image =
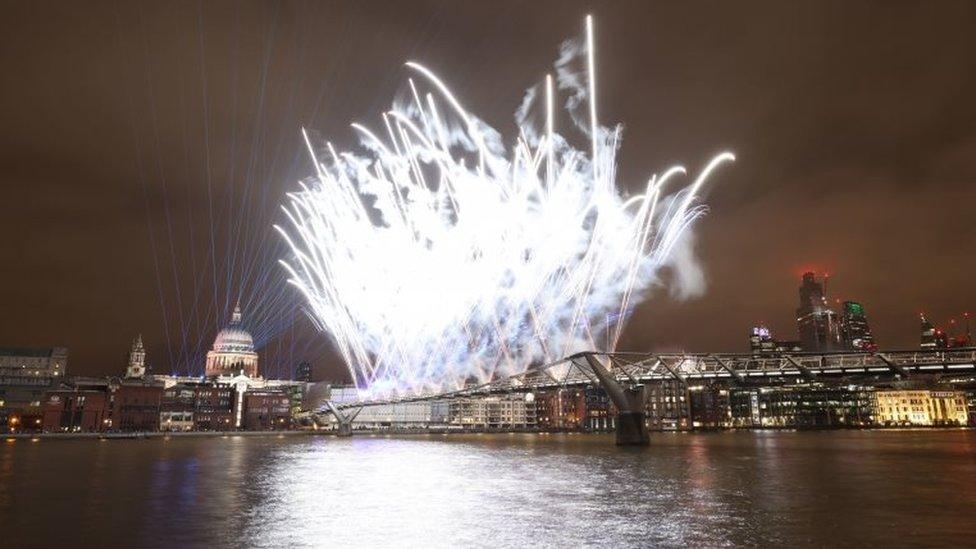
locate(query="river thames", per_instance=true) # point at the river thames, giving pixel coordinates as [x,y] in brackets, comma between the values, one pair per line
[711,489]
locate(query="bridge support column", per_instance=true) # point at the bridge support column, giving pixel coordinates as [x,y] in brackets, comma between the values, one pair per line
[344,420]
[631,429]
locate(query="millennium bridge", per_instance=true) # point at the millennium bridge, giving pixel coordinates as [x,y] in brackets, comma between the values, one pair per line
[623,376]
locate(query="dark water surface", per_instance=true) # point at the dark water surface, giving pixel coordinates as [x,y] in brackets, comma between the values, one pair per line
[868,488]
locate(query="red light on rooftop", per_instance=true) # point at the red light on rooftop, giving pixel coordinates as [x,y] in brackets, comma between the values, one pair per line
[802,270]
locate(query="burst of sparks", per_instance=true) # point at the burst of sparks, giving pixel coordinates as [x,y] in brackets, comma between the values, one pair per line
[440,257]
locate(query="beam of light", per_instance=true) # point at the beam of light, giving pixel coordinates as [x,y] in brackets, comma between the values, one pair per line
[439,257]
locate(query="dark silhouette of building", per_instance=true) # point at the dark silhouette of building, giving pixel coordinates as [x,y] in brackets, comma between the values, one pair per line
[817,324]
[927,334]
[303,372]
[134,407]
[854,329]
[932,337]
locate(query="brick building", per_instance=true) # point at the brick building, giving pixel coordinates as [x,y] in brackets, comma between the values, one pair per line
[72,411]
[135,407]
[266,411]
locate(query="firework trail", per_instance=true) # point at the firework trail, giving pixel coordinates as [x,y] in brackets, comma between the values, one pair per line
[440,257]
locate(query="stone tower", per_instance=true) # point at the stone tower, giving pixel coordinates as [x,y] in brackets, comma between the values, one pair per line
[137,360]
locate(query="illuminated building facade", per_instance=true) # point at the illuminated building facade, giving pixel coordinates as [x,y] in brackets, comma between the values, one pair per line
[197,407]
[921,407]
[600,411]
[717,405]
[761,342]
[855,333]
[811,406]
[560,408]
[666,405]
[511,411]
[709,406]
[233,350]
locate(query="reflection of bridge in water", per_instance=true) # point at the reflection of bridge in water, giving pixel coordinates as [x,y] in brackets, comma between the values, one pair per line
[623,375]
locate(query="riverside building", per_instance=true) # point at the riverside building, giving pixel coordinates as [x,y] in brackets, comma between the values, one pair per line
[921,408]
[26,374]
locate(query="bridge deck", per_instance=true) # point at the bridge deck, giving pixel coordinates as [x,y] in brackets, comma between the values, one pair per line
[743,369]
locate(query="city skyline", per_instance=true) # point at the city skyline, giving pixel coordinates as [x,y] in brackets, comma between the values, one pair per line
[888,217]
[424,273]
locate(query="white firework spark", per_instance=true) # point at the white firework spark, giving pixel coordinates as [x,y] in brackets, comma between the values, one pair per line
[439,257]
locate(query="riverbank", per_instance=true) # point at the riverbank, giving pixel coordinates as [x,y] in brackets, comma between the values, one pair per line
[158,434]
[408,432]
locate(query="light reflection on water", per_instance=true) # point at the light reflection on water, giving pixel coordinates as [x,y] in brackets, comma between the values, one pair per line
[507,490]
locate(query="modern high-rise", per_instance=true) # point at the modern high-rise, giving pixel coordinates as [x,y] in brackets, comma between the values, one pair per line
[817,324]
[855,333]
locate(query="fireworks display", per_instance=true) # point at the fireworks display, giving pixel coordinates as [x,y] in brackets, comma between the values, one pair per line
[438,256]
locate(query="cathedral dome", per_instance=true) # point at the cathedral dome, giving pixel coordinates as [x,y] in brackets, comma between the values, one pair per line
[234,339]
[233,350]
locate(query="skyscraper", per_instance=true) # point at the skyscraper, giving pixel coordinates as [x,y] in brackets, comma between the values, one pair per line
[816,323]
[854,329]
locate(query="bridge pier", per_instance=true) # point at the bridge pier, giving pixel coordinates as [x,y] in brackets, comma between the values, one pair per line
[344,420]
[631,429]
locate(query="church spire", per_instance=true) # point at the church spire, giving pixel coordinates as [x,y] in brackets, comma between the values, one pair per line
[137,359]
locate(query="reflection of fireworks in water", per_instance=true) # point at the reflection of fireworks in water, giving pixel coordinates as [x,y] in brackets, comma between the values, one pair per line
[440,257]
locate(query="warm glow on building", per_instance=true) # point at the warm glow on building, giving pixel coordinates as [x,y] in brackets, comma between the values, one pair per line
[921,407]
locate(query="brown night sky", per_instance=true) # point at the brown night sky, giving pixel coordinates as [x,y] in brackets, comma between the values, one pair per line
[854,124]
